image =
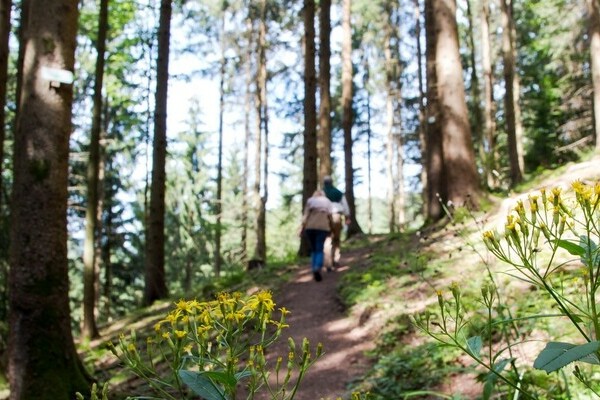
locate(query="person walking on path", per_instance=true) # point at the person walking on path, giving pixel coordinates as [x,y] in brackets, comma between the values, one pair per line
[340,208]
[316,225]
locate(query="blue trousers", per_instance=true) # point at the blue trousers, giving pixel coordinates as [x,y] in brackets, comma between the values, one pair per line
[316,238]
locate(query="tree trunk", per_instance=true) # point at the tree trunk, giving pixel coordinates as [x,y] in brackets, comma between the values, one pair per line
[366,81]
[309,170]
[462,181]
[594,33]
[517,96]
[156,286]
[100,232]
[324,140]
[262,126]
[434,160]
[516,174]
[347,75]
[489,159]
[5,9]
[43,361]
[219,204]
[422,110]
[89,329]
[477,120]
[391,65]
[247,135]
[400,193]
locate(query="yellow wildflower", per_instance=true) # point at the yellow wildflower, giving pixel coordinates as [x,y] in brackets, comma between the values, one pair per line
[173,316]
[533,203]
[284,311]
[180,334]
[184,306]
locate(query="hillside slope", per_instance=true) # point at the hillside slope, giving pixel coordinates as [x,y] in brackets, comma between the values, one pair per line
[366,306]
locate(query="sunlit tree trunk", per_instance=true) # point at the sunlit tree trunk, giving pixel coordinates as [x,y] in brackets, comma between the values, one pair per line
[594,33]
[347,117]
[324,140]
[489,160]
[462,181]
[89,329]
[309,176]
[516,172]
[517,95]
[43,361]
[262,131]
[156,286]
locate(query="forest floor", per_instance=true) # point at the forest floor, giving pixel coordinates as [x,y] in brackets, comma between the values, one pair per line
[318,314]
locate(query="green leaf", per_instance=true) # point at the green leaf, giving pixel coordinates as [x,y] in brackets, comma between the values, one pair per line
[474,344]
[492,378]
[558,354]
[571,247]
[241,375]
[221,377]
[202,385]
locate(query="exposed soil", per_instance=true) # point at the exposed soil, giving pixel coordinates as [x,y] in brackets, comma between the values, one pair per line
[317,314]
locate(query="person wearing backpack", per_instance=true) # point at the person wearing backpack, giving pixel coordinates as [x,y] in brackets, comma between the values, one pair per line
[316,225]
[340,211]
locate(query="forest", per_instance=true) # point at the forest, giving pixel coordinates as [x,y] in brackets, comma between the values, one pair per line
[160,153]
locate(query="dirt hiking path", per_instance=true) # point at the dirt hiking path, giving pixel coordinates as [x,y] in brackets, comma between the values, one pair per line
[317,314]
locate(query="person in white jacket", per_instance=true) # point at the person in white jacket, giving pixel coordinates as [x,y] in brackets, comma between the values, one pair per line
[316,225]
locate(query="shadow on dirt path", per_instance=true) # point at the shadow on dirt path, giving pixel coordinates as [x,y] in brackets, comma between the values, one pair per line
[317,314]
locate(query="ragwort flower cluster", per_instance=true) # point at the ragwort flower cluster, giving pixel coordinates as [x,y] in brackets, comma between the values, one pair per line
[536,233]
[212,346]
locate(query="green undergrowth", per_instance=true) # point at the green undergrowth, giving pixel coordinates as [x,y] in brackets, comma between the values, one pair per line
[414,273]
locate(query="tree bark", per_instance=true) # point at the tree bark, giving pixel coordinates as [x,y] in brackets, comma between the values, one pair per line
[5,9]
[309,170]
[594,33]
[477,120]
[262,127]
[462,181]
[89,329]
[422,109]
[434,160]
[347,117]
[489,159]
[516,173]
[43,362]
[391,65]
[366,81]
[324,140]
[156,287]
[219,204]
[247,135]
